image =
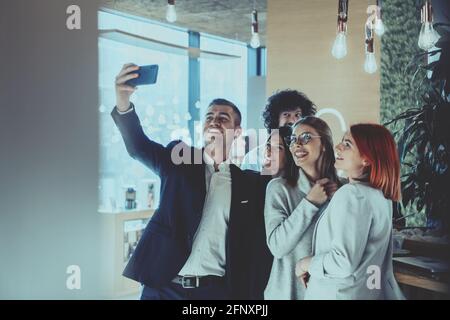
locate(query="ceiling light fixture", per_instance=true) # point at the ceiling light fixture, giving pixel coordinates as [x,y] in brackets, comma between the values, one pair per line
[255,41]
[370,63]
[339,49]
[428,36]
[171,13]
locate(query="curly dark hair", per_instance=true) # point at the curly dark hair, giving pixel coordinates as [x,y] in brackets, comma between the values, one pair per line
[286,100]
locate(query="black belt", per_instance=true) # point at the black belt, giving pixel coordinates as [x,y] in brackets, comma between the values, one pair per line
[190,282]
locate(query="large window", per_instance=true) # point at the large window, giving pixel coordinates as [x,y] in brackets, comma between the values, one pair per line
[224,77]
[163,108]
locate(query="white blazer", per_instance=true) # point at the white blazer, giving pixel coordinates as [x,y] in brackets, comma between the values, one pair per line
[352,247]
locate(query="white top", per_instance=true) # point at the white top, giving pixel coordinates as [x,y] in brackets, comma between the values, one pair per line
[353,247]
[290,220]
[208,255]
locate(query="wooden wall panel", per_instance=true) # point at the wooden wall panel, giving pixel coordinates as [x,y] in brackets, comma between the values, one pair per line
[300,35]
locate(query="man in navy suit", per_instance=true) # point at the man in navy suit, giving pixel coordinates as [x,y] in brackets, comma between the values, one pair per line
[200,242]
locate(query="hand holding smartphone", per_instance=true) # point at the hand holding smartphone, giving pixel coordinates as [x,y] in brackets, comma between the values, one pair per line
[146,75]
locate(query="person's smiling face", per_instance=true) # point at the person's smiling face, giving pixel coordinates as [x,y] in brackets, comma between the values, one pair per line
[306,146]
[275,156]
[288,118]
[348,157]
[220,125]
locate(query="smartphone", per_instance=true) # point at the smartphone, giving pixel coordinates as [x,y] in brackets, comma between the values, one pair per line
[147,75]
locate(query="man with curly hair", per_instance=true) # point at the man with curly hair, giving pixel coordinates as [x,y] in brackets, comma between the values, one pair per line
[283,108]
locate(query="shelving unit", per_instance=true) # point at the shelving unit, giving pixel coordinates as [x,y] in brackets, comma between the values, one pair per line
[122,231]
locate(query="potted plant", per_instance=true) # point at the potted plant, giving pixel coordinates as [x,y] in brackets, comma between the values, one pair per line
[424,138]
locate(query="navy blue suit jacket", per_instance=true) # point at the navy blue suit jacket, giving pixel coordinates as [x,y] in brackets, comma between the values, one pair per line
[167,240]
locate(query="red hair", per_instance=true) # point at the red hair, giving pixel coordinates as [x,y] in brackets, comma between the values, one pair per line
[376,144]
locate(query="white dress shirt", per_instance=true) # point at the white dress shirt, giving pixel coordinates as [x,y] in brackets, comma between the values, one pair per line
[208,255]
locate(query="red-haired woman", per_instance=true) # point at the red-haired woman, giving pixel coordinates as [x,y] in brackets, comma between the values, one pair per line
[352,244]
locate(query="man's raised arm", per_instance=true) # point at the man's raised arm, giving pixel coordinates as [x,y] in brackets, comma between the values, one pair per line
[139,146]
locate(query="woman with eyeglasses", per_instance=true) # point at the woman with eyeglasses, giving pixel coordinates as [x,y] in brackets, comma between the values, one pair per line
[294,201]
[352,253]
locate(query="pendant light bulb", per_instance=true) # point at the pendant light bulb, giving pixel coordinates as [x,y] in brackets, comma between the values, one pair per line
[171,13]
[370,62]
[379,25]
[255,42]
[339,49]
[428,35]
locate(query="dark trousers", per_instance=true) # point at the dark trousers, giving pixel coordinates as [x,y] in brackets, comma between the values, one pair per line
[173,291]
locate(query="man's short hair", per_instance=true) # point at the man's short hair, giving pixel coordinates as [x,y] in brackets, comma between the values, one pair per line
[286,100]
[225,102]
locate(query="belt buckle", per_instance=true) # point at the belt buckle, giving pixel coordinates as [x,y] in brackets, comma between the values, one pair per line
[188,282]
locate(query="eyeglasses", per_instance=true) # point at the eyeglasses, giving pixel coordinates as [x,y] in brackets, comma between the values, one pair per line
[303,138]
